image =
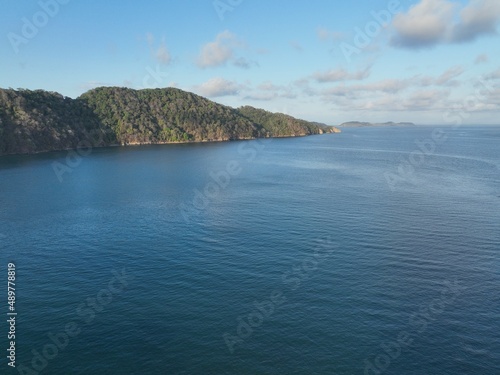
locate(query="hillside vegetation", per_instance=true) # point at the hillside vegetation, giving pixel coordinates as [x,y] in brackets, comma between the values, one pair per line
[37,121]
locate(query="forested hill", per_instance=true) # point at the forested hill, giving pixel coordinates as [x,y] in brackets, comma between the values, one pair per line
[37,121]
[281,125]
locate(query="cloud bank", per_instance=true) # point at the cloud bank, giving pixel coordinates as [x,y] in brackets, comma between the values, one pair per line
[217,87]
[433,22]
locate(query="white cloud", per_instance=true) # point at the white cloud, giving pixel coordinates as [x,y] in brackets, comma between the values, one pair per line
[419,100]
[222,51]
[93,84]
[432,22]
[324,34]
[391,86]
[216,87]
[447,77]
[387,85]
[424,100]
[218,52]
[296,46]
[244,63]
[392,90]
[304,86]
[492,101]
[493,75]
[262,96]
[425,23]
[483,58]
[268,91]
[150,39]
[338,75]
[478,18]
[162,54]
[412,94]
[269,86]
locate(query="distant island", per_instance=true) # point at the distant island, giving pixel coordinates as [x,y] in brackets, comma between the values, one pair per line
[33,121]
[358,124]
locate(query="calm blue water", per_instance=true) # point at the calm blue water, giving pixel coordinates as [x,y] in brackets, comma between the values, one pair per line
[342,263]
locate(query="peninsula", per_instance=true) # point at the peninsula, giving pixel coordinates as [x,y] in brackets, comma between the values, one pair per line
[33,121]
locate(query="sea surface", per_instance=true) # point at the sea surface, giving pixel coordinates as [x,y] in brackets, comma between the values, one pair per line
[373,251]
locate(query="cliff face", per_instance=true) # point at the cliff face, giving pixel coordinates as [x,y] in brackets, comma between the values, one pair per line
[37,121]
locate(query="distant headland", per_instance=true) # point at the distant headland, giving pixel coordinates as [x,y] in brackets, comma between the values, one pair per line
[33,121]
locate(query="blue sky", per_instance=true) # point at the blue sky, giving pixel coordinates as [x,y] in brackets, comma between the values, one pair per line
[426,61]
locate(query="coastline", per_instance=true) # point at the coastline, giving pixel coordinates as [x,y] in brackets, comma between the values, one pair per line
[132,144]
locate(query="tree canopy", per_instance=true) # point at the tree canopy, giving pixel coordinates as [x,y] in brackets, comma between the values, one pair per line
[36,121]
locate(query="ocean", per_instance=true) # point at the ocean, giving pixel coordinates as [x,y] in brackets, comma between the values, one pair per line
[373,251]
